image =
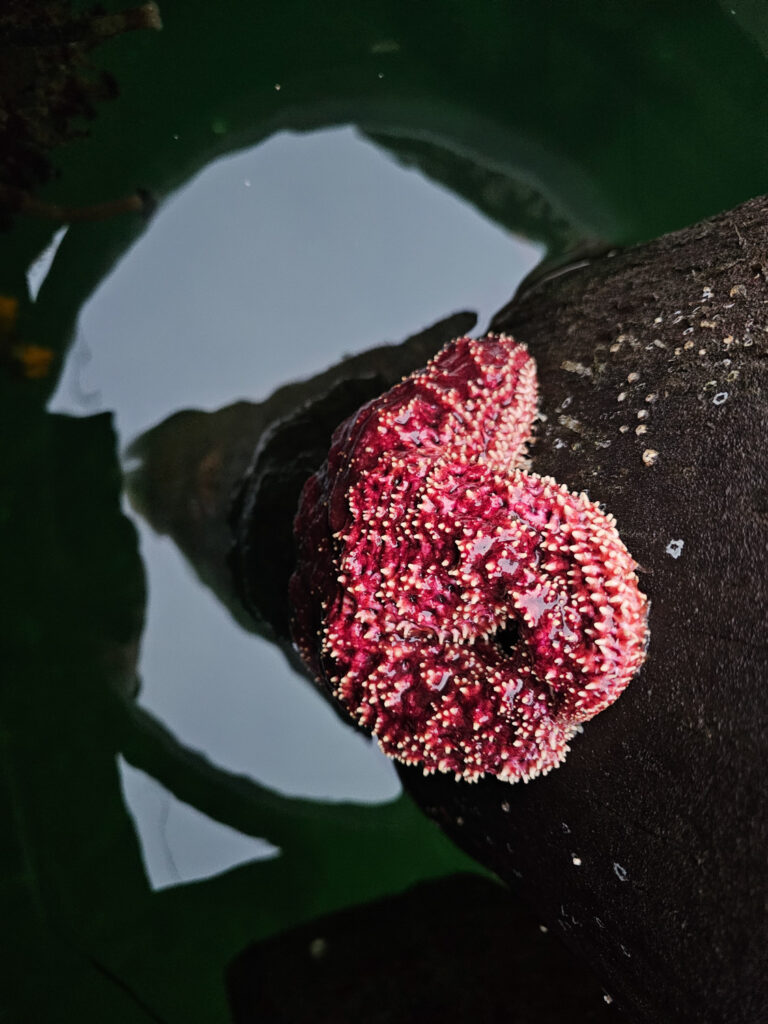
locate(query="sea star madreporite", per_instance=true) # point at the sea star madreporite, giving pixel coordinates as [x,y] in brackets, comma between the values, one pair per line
[468,613]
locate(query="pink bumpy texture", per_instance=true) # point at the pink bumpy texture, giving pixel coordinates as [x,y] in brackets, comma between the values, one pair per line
[423,546]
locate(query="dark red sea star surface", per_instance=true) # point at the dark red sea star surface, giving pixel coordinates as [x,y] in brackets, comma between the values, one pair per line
[468,613]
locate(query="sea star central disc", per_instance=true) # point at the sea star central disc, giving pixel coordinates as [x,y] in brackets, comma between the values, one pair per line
[466,612]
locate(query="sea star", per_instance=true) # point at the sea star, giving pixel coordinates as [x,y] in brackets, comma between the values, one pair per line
[468,613]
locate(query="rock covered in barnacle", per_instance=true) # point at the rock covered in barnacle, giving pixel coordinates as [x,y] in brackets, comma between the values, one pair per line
[466,612]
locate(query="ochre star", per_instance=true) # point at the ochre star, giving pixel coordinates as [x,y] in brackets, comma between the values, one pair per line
[468,613]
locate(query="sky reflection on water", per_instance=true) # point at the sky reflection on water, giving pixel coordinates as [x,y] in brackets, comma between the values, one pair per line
[267,267]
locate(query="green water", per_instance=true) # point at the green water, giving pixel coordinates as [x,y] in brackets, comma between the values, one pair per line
[435,151]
